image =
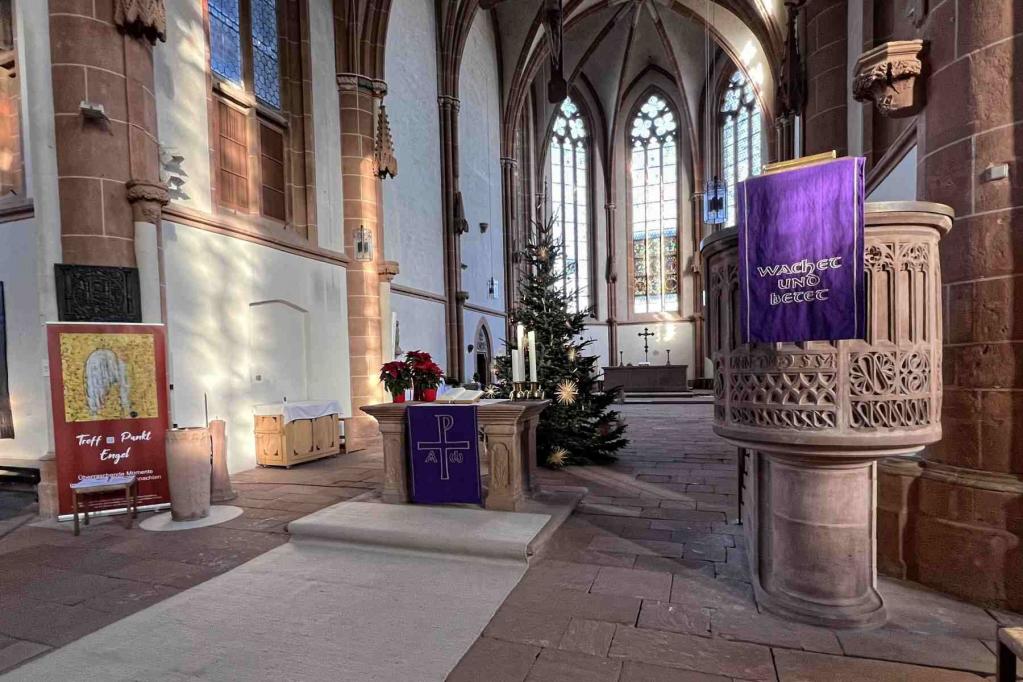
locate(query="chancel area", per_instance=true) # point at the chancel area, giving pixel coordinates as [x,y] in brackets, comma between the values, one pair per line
[467,340]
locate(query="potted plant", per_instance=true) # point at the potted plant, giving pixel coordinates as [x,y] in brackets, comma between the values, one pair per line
[397,378]
[426,375]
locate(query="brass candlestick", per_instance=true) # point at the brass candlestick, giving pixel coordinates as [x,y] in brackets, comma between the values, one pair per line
[519,391]
[535,392]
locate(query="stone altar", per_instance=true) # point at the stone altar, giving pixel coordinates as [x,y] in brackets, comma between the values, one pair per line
[813,419]
[647,378]
[509,428]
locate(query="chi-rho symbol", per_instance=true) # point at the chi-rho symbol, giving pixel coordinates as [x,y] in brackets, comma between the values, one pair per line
[442,451]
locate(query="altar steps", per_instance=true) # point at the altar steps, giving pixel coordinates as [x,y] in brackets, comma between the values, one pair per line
[663,398]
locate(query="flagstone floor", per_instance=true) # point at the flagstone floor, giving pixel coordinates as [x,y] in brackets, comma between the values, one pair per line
[56,588]
[648,581]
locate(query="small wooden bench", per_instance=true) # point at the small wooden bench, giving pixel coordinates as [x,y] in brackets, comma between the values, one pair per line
[81,491]
[1010,647]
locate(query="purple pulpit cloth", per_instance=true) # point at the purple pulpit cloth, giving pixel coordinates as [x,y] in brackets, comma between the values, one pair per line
[444,456]
[801,274]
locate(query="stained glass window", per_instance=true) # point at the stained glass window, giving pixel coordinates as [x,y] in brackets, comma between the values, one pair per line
[570,202]
[266,67]
[229,54]
[740,137]
[225,39]
[654,189]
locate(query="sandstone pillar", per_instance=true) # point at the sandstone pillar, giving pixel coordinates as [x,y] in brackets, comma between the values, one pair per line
[969,520]
[105,124]
[826,62]
[359,96]
[611,278]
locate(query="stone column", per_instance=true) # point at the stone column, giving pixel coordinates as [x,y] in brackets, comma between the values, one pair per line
[699,361]
[362,206]
[103,57]
[970,518]
[611,278]
[825,119]
[455,333]
[511,245]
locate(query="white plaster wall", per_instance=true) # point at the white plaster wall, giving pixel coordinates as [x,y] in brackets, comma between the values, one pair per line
[181,92]
[674,336]
[421,326]
[326,126]
[413,216]
[479,149]
[212,282]
[900,184]
[597,333]
[26,343]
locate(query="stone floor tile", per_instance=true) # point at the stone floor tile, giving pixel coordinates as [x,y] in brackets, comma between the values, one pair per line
[630,582]
[62,587]
[917,609]
[18,652]
[661,615]
[567,575]
[705,539]
[680,566]
[634,671]
[702,552]
[574,604]
[742,625]
[891,644]
[712,593]
[553,665]
[495,661]
[592,637]
[702,654]
[129,597]
[525,626]
[50,623]
[804,666]
[646,534]
[163,572]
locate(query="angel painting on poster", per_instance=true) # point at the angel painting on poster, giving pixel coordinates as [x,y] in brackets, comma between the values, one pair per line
[108,376]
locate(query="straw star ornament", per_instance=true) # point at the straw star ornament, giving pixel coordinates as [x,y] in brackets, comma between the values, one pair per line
[567,392]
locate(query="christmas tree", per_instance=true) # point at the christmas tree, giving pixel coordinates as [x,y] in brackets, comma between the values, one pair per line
[578,427]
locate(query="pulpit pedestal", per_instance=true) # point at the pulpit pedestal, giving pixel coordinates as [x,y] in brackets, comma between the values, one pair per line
[510,447]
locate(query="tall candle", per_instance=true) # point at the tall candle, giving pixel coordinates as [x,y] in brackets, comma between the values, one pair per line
[532,356]
[517,368]
[520,332]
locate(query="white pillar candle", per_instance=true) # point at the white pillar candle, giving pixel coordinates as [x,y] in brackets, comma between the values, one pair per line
[520,333]
[517,367]
[532,355]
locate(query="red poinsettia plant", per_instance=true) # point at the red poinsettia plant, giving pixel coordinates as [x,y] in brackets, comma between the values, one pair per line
[427,374]
[397,376]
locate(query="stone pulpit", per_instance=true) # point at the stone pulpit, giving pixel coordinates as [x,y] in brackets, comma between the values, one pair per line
[813,419]
[509,445]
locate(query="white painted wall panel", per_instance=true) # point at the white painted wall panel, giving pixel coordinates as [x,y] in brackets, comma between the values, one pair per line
[326,126]
[212,283]
[479,129]
[181,94]
[413,215]
[421,325]
[26,343]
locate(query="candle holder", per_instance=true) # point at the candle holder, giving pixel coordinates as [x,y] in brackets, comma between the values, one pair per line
[535,392]
[519,391]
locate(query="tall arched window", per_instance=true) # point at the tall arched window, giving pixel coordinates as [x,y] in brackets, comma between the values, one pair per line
[740,137]
[570,197]
[654,175]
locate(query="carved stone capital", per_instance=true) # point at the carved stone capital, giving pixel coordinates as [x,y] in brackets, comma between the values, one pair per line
[448,102]
[389,270]
[509,162]
[461,297]
[352,82]
[142,19]
[888,76]
[147,200]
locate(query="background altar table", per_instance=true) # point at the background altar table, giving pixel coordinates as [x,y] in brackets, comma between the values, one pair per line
[296,432]
[510,448]
[647,378]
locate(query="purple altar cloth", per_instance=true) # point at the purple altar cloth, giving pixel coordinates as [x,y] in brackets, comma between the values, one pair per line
[801,274]
[444,458]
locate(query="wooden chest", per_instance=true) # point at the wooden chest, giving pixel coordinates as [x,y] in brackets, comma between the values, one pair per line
[302,440]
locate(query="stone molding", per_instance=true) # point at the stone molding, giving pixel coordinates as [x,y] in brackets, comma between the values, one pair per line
[147,200]
[888,76]
[509,162]
[448,101]
[142,19]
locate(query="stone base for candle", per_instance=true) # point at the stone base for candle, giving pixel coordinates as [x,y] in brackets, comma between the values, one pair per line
[189,473]
[510,429]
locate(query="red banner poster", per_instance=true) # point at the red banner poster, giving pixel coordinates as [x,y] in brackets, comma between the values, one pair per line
[109,389]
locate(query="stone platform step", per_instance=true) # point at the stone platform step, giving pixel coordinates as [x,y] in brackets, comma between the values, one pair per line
[669,398]
[420,528]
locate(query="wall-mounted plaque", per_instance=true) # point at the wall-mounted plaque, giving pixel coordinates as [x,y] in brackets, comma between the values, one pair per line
[95,293]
